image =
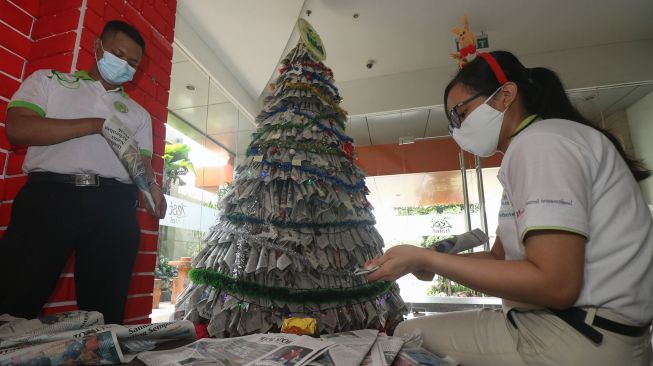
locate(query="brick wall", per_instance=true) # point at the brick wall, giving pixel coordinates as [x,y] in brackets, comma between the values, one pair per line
[59,35]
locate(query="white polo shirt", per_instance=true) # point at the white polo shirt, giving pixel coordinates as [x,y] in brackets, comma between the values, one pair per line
[562,175]
[54,94]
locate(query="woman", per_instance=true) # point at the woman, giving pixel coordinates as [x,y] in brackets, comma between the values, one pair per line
[574,249]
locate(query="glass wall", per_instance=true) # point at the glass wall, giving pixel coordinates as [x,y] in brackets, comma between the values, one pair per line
[204,134]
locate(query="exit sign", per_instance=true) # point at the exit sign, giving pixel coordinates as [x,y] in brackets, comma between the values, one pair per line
[482,41]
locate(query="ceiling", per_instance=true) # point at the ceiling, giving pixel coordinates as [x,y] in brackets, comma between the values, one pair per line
[251,36]
[207,108]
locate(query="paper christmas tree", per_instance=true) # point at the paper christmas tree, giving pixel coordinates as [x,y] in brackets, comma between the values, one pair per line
[296,222]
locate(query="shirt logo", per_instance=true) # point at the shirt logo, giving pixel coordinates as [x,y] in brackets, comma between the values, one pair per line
[120,106]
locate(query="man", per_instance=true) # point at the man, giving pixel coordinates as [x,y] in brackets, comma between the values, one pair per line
[78,196]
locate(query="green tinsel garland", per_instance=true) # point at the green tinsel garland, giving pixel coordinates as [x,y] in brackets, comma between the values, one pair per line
[292,296]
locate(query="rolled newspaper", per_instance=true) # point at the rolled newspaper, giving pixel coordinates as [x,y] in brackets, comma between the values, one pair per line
[461,242]
[122,142]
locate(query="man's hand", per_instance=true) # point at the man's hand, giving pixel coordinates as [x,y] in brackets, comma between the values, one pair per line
[119,137]
[161,206]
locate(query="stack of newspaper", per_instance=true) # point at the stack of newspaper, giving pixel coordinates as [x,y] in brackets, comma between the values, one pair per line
[80,337]
[361,347]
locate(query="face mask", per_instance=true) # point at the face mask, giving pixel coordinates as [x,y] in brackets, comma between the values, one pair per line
[114,70]
[479,132]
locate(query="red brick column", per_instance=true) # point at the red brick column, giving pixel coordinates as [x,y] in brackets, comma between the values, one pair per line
[59,35]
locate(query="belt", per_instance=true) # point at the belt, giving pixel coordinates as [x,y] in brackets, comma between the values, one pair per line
[79,180]
[576,318]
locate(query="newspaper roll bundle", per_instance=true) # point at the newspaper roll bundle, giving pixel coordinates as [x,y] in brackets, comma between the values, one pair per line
[122,142]
[461,242]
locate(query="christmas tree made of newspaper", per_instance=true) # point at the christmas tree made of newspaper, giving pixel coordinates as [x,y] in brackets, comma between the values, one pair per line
[296,222]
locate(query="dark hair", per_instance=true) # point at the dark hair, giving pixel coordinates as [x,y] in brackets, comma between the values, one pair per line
[115,26]
[541,93]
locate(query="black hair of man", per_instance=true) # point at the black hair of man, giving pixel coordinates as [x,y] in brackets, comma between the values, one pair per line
[114,26]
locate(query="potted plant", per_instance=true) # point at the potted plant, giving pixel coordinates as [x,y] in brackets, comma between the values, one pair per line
[164,273]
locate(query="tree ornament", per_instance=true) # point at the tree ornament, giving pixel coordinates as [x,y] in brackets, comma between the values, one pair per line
[348,148]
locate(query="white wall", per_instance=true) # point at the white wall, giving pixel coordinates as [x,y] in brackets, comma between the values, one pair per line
[640,119]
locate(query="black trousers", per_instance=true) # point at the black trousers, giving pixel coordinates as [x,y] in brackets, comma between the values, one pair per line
[51,220]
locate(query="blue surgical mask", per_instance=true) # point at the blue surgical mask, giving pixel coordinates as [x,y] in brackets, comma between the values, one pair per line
[113,69]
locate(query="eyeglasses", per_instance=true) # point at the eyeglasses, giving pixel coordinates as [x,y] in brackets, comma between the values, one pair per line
[454,118]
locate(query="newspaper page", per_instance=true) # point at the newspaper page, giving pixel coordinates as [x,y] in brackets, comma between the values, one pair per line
[350,349]
[183,329]
[20,337]
[251,350]
[419,356]
[146,337]
[95,349]
[298,353]
[383,351]
[43,330]
[121,140]
[32,339]
[56,323]
[413,354]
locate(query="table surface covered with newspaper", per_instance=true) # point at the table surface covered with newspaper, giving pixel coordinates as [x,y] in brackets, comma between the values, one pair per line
[82,338]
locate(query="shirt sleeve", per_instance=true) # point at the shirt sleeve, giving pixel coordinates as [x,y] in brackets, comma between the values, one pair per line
[33,93]
[143,135]
[550,184]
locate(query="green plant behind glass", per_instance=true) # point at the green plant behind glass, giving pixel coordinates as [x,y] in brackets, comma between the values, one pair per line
[165,272]
[176,163]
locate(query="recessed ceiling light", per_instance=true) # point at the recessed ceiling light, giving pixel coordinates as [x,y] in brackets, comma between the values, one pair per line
[356,15]
[190,87]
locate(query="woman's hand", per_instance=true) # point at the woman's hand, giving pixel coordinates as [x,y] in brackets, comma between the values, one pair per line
[424,275]
[399,261]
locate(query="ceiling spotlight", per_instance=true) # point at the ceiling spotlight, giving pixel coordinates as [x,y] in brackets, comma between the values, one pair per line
[370,64]
[309,12]
[356,15]
[190,87]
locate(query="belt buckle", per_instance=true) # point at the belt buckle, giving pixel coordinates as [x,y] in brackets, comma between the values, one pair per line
[84,180]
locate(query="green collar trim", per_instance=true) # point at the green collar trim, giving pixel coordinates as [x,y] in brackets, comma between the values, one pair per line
[523,124]
[84,75]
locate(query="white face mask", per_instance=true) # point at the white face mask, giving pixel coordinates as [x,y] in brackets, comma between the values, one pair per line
[479,132]
[113,69]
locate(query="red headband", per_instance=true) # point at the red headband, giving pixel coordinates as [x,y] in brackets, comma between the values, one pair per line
[494,65]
